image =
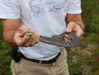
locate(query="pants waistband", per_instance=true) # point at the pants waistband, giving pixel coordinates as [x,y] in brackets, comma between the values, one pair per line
[43,62]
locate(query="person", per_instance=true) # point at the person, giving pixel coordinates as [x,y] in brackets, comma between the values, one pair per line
[42,17]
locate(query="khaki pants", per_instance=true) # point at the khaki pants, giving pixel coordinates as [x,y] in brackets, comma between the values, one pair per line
[27,67]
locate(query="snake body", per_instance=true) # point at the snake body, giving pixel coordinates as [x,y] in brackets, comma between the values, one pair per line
[54,40]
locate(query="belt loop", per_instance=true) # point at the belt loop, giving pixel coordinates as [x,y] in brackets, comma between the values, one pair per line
[40,62]
[53,63]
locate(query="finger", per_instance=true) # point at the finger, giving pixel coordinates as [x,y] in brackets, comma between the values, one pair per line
[66,36]
[33,39]
[79,32]
[66,39]
[24,40]
[31,42]
[37,38]
[23,29]
[26,35]
[70,27]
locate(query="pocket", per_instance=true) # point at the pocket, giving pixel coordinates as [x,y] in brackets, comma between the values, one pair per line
[13,67]
[65,54]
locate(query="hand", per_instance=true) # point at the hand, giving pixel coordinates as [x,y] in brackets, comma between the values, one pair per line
[25,41]
[73,27]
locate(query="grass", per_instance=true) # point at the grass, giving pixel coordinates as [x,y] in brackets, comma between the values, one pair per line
[4,56]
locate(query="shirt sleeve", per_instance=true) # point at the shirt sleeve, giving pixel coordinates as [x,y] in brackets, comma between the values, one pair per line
[74,7]
[9,9]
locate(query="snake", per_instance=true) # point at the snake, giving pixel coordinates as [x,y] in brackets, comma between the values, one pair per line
[55,39]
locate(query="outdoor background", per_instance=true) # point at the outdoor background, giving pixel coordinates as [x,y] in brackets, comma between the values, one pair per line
[83,60]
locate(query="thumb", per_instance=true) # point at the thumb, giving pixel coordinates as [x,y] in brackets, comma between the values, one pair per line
[70,27]
[23,29]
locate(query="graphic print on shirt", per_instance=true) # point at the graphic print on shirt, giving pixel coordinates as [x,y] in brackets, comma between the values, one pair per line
[39,7]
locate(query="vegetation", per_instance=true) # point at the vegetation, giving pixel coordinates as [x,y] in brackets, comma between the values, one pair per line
[83,60]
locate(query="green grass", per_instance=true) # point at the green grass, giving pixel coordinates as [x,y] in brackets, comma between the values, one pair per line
[5,58]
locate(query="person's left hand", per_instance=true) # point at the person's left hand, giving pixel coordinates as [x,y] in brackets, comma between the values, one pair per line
[73,27]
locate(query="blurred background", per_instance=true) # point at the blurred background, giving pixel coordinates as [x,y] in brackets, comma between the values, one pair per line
[83,60]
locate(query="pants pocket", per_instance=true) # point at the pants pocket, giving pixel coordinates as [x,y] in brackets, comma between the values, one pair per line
[13,67]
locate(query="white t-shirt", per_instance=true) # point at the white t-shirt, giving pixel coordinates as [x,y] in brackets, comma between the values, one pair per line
[46,17]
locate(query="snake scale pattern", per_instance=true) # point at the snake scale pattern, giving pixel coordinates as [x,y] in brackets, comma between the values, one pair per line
[54,40]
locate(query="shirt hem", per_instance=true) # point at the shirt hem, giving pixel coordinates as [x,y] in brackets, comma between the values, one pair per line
[6,17]
[75,12]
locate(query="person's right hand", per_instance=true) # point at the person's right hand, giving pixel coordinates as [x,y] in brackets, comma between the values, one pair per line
[25,41]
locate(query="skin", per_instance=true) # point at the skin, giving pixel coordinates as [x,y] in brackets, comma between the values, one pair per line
[75,24]
[14,33]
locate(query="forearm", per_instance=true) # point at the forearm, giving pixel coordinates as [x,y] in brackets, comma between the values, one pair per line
[8,37]
[75,18]
[10,26]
